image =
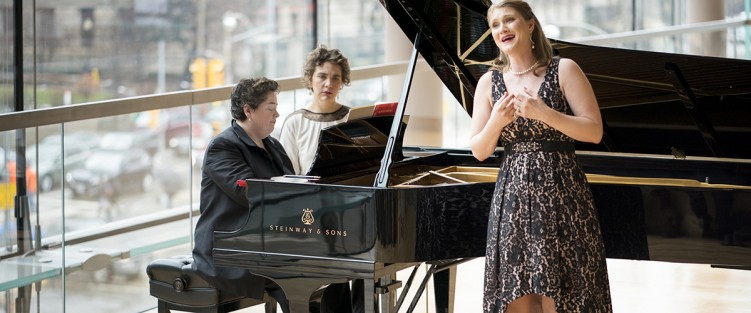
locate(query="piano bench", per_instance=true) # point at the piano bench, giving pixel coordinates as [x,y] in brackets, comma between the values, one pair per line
[177,287]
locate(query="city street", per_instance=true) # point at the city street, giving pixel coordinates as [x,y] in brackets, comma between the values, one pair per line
[114,288]
[81,213]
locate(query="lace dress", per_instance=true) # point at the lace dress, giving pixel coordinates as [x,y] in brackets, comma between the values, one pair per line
[543,232]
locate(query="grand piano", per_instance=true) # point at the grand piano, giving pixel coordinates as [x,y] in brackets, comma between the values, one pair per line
[671,177]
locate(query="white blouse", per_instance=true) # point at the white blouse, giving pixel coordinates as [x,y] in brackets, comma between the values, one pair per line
[300,133]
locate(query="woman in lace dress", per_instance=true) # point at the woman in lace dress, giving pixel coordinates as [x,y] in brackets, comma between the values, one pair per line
[544,250]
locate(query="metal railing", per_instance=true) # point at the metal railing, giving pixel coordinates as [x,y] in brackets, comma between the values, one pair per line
[97,109]
[637,35]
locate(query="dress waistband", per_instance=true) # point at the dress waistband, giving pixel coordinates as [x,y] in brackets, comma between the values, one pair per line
[538,146]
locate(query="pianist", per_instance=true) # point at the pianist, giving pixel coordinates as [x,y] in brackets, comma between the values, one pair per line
[244,150]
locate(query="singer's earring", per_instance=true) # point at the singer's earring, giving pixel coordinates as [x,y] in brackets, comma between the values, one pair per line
[532,41]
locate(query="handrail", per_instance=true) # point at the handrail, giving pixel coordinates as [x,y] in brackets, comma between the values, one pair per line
[97,109]
[120,227]
[630,36]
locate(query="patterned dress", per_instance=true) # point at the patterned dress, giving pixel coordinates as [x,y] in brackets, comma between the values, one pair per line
[543,232]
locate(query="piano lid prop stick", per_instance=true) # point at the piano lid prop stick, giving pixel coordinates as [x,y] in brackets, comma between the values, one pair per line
[382,178]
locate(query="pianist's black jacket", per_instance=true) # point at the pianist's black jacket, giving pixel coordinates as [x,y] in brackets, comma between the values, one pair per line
[230,156]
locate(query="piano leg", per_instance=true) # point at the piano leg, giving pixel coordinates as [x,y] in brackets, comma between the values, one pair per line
[369,295]
[298,290]
[337,298]
[358,294]
[444,283]
[299,299]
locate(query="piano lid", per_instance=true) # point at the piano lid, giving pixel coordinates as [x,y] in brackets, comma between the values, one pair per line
[655,103]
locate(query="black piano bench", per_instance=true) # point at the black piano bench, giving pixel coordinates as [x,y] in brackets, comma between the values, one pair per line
[177,287]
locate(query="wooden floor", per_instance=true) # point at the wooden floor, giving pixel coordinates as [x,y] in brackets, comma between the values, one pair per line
[647,286]
[636,286]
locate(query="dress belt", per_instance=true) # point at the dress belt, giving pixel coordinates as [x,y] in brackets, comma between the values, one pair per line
[538,146]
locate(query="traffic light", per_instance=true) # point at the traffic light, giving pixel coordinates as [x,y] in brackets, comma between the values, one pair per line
[198,73]
[207,73]
[216,72]
[87,27]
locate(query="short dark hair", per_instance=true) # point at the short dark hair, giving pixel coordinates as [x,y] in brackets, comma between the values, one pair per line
[318,57]
[250,91]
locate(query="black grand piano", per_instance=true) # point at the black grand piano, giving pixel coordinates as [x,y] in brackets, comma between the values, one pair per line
[671,177]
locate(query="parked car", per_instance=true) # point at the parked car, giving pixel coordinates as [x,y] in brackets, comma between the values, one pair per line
[85,138]
[123,170]
[53,156]
[146,139]
[201,134]
[176,123]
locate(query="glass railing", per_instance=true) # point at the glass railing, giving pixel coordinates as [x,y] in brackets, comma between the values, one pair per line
[112,185]
[680,38]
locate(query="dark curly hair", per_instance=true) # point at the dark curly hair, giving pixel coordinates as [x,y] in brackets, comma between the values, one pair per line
[318,57]
[250,91]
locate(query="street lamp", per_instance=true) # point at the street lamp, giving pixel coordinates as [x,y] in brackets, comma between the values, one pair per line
[230,21]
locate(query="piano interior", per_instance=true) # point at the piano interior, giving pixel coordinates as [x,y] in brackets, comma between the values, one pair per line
[423,175]
[453,175]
